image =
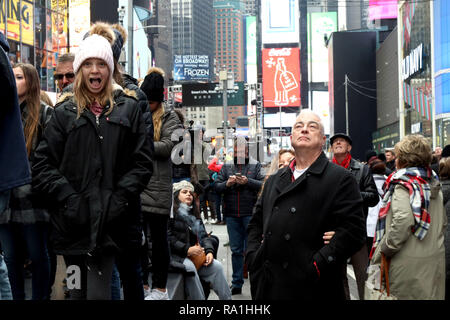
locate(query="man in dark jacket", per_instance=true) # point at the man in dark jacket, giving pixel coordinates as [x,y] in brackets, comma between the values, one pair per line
[14,166]
[239,182]
[287,257]
[341,145]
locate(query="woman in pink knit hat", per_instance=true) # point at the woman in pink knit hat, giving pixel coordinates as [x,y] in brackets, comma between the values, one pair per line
[92,164]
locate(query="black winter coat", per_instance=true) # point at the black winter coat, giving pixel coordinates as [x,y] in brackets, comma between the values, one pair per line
[290,219]
[14,165]
[132,84]
[367,186]
[93,170]
[182,237]
[238,200]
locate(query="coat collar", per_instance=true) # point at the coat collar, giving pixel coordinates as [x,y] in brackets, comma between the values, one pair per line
[285,175]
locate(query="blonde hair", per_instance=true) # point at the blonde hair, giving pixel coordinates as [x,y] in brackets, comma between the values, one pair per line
[157,116]
[84,99]
[413,151]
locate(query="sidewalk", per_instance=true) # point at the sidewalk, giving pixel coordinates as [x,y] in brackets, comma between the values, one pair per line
[224,256]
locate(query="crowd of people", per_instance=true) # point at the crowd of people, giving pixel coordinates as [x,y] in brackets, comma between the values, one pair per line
[92,179]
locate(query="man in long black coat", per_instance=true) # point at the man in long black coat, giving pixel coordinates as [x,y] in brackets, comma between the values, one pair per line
[287,257]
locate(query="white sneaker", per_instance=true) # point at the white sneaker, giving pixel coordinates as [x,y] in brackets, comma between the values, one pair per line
[147,292]
[157,295]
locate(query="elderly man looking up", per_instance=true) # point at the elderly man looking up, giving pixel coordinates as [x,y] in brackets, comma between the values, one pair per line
[287,257]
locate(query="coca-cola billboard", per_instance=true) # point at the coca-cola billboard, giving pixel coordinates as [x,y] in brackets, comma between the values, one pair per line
[281,77]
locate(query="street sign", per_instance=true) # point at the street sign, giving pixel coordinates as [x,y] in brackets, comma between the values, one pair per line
[208,94]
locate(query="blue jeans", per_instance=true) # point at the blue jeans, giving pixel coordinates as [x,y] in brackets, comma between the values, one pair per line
[5,288]
[218,203]
[237,234]
[115,284]
[34,236]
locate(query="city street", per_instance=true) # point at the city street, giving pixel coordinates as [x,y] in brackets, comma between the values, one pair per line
[224,256]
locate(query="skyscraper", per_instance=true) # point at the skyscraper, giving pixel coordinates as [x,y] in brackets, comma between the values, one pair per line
[192,22]
[229,28]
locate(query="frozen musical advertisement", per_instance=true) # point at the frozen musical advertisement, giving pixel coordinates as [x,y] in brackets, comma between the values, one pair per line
[281,77]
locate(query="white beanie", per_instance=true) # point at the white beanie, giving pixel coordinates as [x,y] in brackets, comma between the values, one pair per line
[94,46]
[183,184]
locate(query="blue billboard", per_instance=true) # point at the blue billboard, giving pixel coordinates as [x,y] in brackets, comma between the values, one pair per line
[191,67]
[442,55]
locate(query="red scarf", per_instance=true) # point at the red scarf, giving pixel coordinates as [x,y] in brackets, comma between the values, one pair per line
[345,163]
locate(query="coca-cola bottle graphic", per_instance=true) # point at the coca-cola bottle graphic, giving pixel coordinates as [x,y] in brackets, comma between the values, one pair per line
[281,98]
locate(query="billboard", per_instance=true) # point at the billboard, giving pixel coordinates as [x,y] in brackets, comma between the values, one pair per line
[320,25]
[280,21]
[382,9]
[79,21]
[59,26]
[191,67]
[205,94]
[442,56]
[19,18]
[281,77]
[251,59]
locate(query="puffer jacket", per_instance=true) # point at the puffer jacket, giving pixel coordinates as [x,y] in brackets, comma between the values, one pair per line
[92,169]
[182,236]
[238,200]
[157,195]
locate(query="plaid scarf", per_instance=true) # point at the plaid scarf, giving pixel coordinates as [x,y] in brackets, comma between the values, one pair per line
[345,163]
[415,179]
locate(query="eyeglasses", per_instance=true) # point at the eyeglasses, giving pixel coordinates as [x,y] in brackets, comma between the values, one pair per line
[68,75]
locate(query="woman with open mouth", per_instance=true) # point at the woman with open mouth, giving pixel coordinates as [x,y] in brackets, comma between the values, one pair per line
[92,164]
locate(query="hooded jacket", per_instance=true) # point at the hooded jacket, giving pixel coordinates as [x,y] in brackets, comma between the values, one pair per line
[93,170]
[14,166]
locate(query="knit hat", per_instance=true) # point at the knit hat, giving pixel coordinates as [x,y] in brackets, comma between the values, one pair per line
[183,184]
[94,46]
[153,85]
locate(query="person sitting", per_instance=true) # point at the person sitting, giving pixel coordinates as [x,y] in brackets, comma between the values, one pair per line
[187,238]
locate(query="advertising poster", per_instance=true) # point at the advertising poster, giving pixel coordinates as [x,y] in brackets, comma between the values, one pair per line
[59,26]
[281,77]
[206,94]
[79,21]
[320,25]
[191,67]
[19,18]
[382,9]
[280,21]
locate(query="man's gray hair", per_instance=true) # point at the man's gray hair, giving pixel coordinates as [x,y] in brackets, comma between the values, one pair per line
[322,128]
[66,57]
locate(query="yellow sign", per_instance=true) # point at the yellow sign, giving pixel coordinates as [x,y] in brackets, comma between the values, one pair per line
[20,19]
[59,26]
